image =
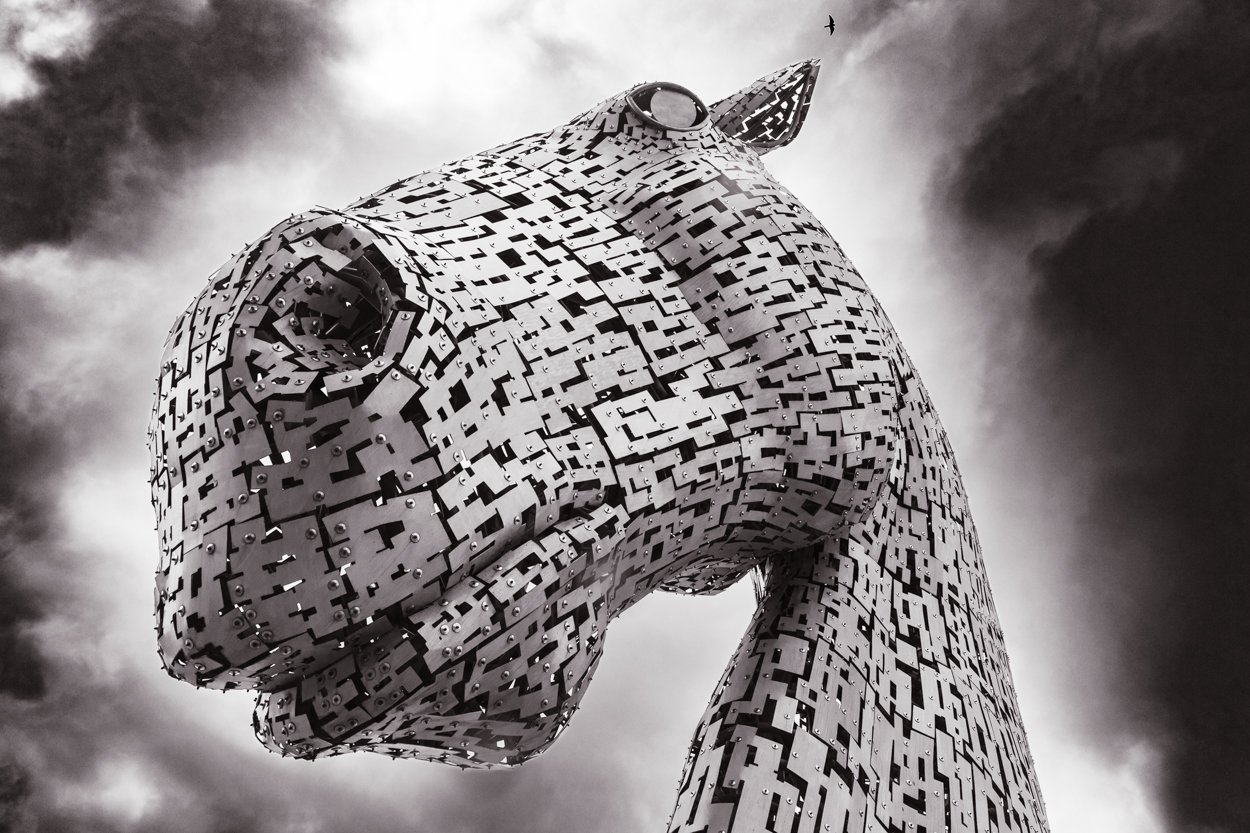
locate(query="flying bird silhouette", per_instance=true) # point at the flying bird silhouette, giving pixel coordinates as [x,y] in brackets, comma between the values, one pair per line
[831,25]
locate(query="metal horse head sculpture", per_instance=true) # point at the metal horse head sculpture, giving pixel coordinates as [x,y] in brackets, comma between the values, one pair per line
[413,456]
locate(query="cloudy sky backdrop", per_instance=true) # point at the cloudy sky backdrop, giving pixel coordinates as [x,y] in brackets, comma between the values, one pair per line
[1051,198]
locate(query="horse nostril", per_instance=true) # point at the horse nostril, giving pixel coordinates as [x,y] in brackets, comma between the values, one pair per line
[354,318]
[337,312]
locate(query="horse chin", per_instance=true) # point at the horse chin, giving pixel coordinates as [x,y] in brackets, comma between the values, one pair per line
[488,674]
[463,737]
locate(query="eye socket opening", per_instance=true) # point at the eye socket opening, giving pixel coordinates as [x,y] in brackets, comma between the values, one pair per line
[668,106]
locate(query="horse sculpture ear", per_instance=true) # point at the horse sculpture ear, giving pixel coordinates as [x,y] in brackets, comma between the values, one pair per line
[769,113]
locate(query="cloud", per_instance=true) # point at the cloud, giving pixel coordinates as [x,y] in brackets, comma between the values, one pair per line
[30,449]
[158,82]
[15,812]
[1142,146]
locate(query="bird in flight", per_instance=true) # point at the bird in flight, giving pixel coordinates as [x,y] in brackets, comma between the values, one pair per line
[830,25]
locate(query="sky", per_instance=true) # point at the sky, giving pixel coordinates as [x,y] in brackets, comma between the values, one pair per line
[1050,198]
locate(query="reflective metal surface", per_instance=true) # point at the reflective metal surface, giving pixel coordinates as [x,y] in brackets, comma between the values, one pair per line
[414,455]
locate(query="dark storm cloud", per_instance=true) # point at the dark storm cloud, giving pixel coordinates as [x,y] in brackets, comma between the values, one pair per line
[104,736]
[1141,313]
[29,453]
[867,16]
[21,669]
[163,76]
[15,813]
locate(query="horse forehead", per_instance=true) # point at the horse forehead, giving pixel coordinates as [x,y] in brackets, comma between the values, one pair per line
[718,182]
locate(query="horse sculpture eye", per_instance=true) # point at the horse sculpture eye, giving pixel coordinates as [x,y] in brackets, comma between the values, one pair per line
[668,106]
